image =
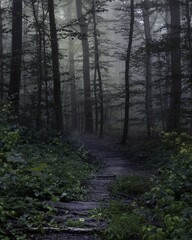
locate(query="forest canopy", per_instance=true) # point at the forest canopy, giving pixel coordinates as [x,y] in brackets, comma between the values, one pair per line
[109,67]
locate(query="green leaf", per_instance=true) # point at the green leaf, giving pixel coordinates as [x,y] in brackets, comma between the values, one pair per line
[39,168]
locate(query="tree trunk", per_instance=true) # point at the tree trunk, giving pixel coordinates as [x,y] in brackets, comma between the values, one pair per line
[127,77]
[98,71]
[148,41]
[55,68]
[45,67]
[86,68]
[189,38]
[161,97]
[39,64]
[96,102]
[15,77]
[166,102]
[1,54]
[40,82]
[72,78]
[175,98]
[189,45]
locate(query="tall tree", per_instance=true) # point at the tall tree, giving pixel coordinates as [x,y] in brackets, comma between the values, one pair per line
[39,64]
[55,68]
[98,71]
[175,98]
[127,76]
[16,56]
[45,60]
[148,41]
[72,77]
[1,53]
[189,38]
[86,68]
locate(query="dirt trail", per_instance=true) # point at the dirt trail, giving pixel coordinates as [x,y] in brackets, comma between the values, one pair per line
[113,164]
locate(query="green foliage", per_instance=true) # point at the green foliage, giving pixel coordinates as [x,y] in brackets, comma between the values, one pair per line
[174,141]
[9,135]
[170,202]
[123,223]
[130,186]
[164,212]
[76,223]
[31,174]
[148,154]
[124,227]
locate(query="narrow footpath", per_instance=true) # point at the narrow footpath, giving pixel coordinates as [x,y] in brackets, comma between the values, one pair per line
[113,164]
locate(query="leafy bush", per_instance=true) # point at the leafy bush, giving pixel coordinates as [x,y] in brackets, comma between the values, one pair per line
[165,212]
[170,202]
[124,227]
[131,186]
[148,154]
[31,174]
[123,223]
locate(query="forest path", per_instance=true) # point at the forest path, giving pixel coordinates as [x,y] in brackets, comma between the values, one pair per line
[79,215]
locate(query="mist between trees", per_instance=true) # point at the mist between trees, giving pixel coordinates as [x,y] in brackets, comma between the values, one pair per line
[96,66]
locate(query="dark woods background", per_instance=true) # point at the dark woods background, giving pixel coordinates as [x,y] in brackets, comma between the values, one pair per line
[104,67]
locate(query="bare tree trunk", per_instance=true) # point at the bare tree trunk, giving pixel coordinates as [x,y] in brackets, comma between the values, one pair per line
[86,68]
[166,102]
[96,102]
[1,54]
[16,56]
[55,68]
[127,77]
[148,40]
[161,91]
[73,85]
[45,70]
[72,78]
[189,38]
[175,99]
[98,71]
[39,64]
[40,83]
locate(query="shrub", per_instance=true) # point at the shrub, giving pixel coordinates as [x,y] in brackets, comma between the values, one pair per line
[131,186]
[164,212]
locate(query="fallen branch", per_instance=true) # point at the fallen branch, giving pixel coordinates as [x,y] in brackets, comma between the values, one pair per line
[64,230]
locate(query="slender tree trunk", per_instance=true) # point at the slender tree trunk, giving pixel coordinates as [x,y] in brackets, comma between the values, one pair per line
[148,41]
[72,78]
[39,64]
[45,67]
[40,83]
[73,85]
[1,54]
[127,77]
[55,68]
[189,38]
[161,91]
[86,68]
[98,70]
[175,98]
[166,101]
[16,56]
[96,102]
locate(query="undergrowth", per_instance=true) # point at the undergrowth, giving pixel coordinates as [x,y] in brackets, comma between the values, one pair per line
[32,173]
[165,211]
[150,154]
[130,186]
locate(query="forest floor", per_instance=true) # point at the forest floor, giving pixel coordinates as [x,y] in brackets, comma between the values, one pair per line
[82,222]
